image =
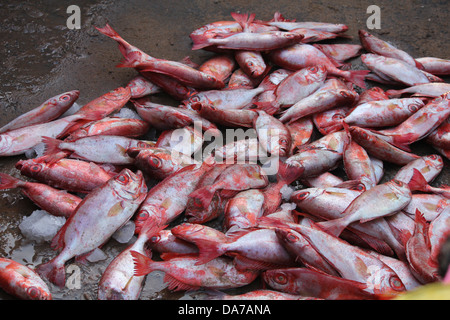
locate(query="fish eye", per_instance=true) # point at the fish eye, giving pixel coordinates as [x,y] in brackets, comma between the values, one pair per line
[292,237]
[36,168]
[343,93]
[396,283]
[433,157]
[314,69]
[142,144]
[155,239]
[359,187]
[281,278]
[302,195]
[65,97]
[33,292]
[155,162]
[337,117]
[413,107]
[123,179]
[397,182]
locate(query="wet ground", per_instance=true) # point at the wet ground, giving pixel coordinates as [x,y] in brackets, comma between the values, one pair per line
[41,58]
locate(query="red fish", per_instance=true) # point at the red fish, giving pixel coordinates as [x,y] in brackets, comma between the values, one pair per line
[300,56]
[141,87]
[435,66]
[221,66]
[47,111]
[22,282]
[54,201]
[99,215]
[67,174]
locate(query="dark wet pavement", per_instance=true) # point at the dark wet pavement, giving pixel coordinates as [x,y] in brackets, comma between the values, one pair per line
[41,57]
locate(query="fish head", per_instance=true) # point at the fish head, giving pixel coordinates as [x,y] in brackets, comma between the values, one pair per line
[280,279]
[30,168]
[129,186]
[288,236]
[316,73]
[68,97]
[305,194]
[384,282]
[5,143]
[435,161]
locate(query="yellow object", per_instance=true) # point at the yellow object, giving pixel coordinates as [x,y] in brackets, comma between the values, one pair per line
[433,291]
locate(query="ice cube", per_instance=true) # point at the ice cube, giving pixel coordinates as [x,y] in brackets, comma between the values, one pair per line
[286,192]
[124,234]
[41,226]
[96,255]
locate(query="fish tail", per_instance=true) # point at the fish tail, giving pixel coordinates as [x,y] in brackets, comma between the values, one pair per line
[142,264]
[108,31]
[203,196]
[417,181]
[333,227]
[357,77]
[51,145]
[243,19]
[268,107]
[200,42]
[53,271]
[288,173]
[130,60]
[9,182]
[208,250]
[419,65]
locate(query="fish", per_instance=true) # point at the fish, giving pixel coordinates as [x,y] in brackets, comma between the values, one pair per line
[394,69]
[255,41]
[130,128]
[418,182]
[114,148]
[251,62]
[54,201]
[384,113]
[299,56]
[159,163]
[418,252]
[165,242]
[171,86]
[440,137]
[433,89]
[272,134]
[227,117]
[165,117]
[379,201]
[430,205]
[22,282]
[301,133]
[377,46]
[422,123]
[322,99]
[49,110]
[220,66]
[18,141]
[97,217]
[372,94]
[68,174]
[234,178]
[436,66]
[135,58]
[182,273]
[307,282]
[294,87]
[169,197]
[340,52]
[358,165]
[118,281]
[429,166]
[280,22]
[380,148]
[238,98]
[331,120]
[352,262]
[141,87]
[244,209]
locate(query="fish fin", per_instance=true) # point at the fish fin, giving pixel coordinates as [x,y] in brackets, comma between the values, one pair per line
[288,173]
[419,65]
[244,19]
[9,182]
[201,42]
[51,145]
[402,141]
[130,60]
[333,227]
[55,273]
[151,228]
[203,196]
[209,249]
[357,77]
[108,31]
[375,243]
[176,285]
[394,93]
[243,264]
[269,107]
[417,181]
[141,263]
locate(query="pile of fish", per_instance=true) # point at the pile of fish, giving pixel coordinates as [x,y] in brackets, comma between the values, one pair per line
[307,232]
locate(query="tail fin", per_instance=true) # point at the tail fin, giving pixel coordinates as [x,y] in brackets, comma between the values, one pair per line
[141,264]
[108,31]
[288,173]
[203,196]
[243,19]
[417,181]
[200,43]
[52,271]
[130,60]
[333,227]
[9,182]
[269,107]
[51,145]
[357,77]
[209,249]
